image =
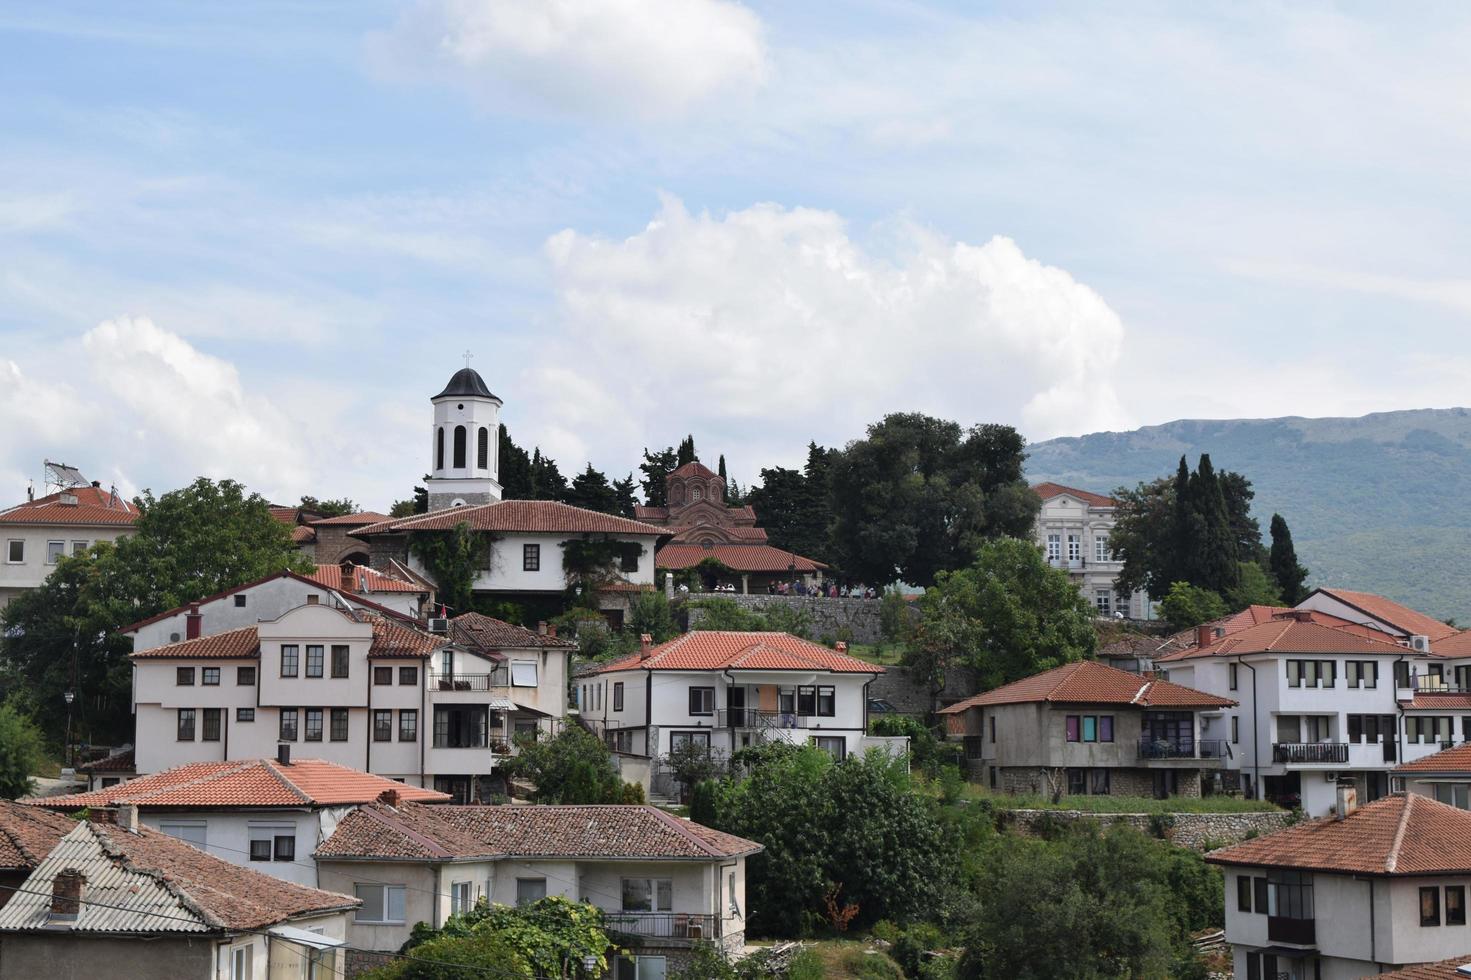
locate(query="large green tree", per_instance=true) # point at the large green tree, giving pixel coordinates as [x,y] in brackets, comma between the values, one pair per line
[918,495]
[656,468]
[686,452]
[1289,573]
[1008,615]
[590,489]
[186,544]
[328,508]
[852,829]
[572,767]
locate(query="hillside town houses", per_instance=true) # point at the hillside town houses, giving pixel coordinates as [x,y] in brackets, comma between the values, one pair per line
[324,753]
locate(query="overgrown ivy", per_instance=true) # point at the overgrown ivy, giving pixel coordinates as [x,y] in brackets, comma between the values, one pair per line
[453,558]
[591,564]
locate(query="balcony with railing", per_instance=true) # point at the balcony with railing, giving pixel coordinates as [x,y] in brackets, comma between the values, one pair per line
[664,926]
[1310,753]
[495,680]
[1207,751]
[752,719]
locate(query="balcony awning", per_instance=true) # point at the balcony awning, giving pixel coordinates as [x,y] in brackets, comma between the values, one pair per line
[313,939]
[532,711]
[500,703]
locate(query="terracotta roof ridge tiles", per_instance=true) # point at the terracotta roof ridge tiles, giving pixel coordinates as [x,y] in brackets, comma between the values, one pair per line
[678,826]
[1391,860]
[119,855]
[275,769]
[376,812]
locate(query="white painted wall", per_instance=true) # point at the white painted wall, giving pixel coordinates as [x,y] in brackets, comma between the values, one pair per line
[267,601]
[17,577]
[227,835]
[507,572]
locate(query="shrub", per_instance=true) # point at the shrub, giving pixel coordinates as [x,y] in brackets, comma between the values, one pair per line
[913,943]
[1162,825]
[806,965]
[633,794]
[867,965]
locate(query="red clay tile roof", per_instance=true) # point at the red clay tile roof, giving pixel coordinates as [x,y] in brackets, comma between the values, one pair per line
[1455,645]
[486,634]
[737,557]
[237,644]
[302,534]
[1299,632]
[124,761]
[643,513]
[695,468]
[392,638]
[94,507]
[1436,700]
[1444,970]
[252,782]
[1399,834]
[352,520]
[1399,616]
[526,516]
[27,835]
[1049,490]
[284,514]
[356,600]
[1090,682]
[1457,759]
[361,579]
[157,883]
[721,650]
[411,830]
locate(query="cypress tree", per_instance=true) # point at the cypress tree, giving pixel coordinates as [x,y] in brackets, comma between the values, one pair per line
[1215,550]
[723,478]
[1289,574]
[686,452]
[1179,563]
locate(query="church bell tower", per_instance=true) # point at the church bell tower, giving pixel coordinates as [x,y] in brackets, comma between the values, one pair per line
[465,444]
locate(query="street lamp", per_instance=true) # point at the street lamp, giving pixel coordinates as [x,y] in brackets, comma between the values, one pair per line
[68,697]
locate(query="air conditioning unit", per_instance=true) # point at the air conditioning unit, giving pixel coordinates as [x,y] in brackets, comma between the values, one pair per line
[438,624]
[1330,777]
[1420,644]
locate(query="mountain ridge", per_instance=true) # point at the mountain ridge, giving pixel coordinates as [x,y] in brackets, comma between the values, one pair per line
[1376,502]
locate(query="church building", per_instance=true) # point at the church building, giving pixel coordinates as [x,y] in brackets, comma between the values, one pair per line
[705,527]
[525,541]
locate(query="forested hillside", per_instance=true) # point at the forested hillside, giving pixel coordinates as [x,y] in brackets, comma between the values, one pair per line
[1381,503]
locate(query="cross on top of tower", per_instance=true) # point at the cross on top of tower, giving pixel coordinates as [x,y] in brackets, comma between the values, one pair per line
[467,356]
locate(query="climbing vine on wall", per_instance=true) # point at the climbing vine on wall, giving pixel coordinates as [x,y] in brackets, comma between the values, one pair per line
[592,563]
[453,558]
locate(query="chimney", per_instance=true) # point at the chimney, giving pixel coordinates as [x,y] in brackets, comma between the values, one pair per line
[645,646]
[389,797]
[1204,635]
[283,753]
[96,484]
[66,895]
[841,646]
[552,630]
[192,622]
[1302,615]
[1348,798]
[541,627]
[127,817]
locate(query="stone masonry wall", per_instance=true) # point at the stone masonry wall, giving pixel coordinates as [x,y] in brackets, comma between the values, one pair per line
[1192,830]
[912,697]
[854,620]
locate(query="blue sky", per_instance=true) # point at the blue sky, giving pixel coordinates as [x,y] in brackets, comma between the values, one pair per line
[250,240]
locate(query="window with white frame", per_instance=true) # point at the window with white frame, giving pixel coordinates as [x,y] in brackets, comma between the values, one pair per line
[1103,600]
[381,903]
[193,831]
[642,968]
[648,894]
[1101,550]
[461,897]
[272,842]
[1054,547]
[78,547]
[523,673]
[15,551]
[834,745]
[530,890]
[1074,547]
[55,550]
[241,962]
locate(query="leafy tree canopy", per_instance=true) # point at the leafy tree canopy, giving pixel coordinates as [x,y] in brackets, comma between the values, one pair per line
[453,559]
[1187,606]
[328,508]
[919,495]
[572,767]
[656,468]
[590,489]
[1008,615]
[21,751]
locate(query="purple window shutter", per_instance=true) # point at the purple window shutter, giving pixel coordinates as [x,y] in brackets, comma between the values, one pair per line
[1105,728]
[1072,728]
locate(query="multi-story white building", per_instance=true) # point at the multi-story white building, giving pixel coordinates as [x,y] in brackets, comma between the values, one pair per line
[728,690]
[1073,531]
[525,541]
[355,687]
[1368,890]
[1321,698]
[36,535]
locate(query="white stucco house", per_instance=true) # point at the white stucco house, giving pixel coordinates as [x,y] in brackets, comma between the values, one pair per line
[1371,889]
[357,688]
[524,540]
[35,535]
[270,815]
[1320,698]
[729,690]
[1072,530]
[666,884]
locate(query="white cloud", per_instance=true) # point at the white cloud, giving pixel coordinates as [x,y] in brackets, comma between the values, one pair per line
[637,58]
[776,322]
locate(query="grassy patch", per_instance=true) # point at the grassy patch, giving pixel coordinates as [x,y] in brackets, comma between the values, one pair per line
[1121,804]
[846,959]
[884,655]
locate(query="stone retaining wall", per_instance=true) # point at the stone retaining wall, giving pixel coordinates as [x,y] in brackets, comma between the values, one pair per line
[912,697]
[854,620]
[1192,830]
